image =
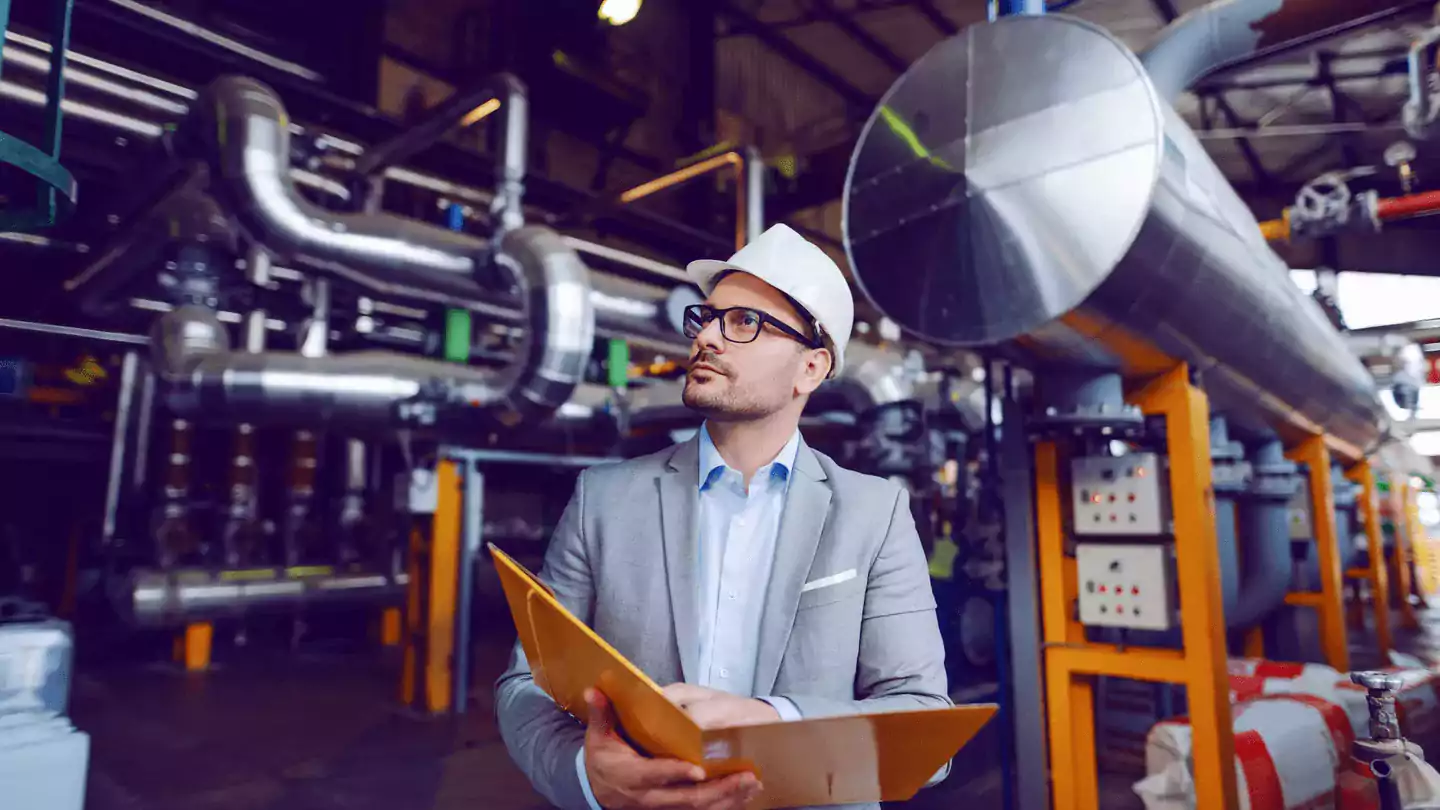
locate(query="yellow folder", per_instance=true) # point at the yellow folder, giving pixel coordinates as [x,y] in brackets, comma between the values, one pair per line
[836,760]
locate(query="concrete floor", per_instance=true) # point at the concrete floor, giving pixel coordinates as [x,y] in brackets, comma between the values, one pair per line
[273,729]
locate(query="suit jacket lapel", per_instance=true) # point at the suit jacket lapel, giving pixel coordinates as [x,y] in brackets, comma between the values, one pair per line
[807,504]
[679,497]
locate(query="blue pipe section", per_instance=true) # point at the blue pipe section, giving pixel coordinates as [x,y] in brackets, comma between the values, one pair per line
[1265,554]
[1010,8]
[1227,461]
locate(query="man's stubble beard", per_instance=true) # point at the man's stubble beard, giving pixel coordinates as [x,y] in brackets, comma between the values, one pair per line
[726,405]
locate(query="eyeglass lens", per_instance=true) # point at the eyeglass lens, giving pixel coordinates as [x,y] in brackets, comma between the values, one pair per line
[737,325]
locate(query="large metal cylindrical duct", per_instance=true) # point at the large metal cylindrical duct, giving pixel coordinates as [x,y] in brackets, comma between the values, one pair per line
[1055,205]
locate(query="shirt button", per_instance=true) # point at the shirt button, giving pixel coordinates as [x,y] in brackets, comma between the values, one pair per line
[731,594]
[724,673]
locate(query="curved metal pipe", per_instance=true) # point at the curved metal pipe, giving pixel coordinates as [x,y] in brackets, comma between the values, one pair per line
[1265,542]
[1228,32]
[386,389]
[243,130]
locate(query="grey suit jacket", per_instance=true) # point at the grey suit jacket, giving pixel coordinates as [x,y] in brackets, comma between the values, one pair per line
[623,559]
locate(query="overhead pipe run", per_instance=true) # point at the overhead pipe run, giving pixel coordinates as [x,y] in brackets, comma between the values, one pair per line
[376,390]
[1228,33]
[970,224]
[465,108]
[241,127]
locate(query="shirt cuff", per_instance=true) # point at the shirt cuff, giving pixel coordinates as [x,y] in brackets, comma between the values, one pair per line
[585,780]
[785,706]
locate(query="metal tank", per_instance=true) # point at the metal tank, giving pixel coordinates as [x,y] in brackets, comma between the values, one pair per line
[1023,186]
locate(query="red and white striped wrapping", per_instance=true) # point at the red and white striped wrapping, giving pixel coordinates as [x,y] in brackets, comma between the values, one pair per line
[1288,754]
[1294,725]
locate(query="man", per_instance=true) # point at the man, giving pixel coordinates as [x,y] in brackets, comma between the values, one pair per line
[753,574]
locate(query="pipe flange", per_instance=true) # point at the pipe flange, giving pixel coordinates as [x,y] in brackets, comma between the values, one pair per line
[1231,477]
[1276,488]
[1102,420]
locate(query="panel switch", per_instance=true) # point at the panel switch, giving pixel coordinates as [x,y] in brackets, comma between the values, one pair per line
[1125,585]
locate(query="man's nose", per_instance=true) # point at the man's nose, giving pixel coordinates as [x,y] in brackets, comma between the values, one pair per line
[711,338]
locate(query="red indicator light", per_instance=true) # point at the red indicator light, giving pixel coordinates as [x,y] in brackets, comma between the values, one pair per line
[1135,591]
[1102,589]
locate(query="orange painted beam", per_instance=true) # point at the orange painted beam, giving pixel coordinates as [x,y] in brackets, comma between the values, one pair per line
[1376,574]
[1315,454]
[1192,496]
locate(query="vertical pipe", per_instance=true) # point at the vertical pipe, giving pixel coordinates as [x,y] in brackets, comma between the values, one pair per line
[1026,702]
[143,421]
[473,505]
[118,443]
[510,172]
[754,185]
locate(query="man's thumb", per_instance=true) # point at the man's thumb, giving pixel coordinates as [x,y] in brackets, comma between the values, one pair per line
[602,719]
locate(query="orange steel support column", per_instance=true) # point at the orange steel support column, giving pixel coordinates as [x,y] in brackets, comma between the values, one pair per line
[192,646]
[390,626]
[1364,475]
[431,600]
[1073,767]
[1197,557]
[1331,599]
[1070,661]
[1407,527]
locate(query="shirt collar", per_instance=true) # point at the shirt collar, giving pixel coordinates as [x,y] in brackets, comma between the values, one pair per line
[712,466]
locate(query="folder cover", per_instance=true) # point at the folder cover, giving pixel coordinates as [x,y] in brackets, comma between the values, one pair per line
[834,760]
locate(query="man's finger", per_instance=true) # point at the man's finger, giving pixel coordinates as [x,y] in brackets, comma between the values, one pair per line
[602,718]
[660,773]
[682,693]
[737,787]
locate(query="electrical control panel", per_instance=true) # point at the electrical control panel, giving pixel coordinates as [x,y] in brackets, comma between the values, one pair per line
[1127,586]
[1125,495]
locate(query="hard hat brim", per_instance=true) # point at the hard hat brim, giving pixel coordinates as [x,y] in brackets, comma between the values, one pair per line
[705,272]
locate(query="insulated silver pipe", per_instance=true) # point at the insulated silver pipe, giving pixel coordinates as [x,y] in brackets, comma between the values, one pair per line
[383,389]
[244,132]
[1061,210]
[153,598]
[1228,32]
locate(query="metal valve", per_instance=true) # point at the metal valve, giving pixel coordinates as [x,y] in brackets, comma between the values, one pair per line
[1380,689]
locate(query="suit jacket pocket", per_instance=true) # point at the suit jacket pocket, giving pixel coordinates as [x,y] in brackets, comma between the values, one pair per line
[829,594]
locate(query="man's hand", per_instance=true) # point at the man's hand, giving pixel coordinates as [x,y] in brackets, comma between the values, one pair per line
[622,779]
[711,708]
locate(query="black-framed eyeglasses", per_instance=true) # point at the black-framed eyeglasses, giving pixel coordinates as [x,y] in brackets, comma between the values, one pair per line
[741,324]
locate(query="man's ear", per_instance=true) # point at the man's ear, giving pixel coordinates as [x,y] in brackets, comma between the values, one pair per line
[814,371]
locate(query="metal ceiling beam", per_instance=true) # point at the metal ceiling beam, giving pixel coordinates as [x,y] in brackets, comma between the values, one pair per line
[875,47]
[1247,150]
[942,23]
[796,55]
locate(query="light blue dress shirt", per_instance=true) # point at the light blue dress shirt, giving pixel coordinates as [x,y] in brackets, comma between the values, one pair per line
[739,528]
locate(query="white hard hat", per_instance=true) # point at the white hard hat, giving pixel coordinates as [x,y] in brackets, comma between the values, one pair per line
[793,265]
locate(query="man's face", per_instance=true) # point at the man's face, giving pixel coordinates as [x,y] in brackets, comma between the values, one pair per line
[740,381]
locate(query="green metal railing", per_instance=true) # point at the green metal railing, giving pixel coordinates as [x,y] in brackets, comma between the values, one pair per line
[55,187]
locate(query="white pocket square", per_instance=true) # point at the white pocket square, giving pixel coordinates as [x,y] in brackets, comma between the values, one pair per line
[825,582]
